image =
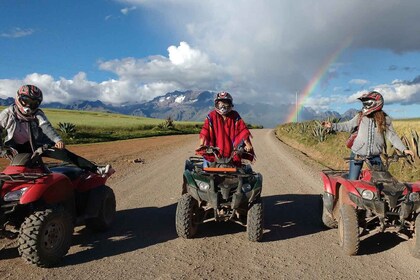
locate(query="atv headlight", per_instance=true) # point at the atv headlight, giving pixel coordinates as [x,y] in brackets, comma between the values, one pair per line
[368,194]
[246,188]
[15,195]
[203,186]
[414,197]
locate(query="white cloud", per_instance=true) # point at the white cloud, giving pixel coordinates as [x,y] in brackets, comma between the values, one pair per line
[324,102]
[17,33]
[138,79]
[396,92]
[359,82]
[185,68]
[125,11]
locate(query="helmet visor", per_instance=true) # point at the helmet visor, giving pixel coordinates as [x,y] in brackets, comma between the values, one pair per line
[223,105]
[368,103]
[26,101]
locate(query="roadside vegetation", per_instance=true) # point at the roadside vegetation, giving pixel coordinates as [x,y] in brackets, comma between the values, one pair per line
[330,150]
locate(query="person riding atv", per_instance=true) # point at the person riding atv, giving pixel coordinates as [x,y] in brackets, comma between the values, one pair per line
[219,185]
[28,129]
[225,129]
[371,127]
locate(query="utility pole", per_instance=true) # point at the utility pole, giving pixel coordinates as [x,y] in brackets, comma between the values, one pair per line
[297,109]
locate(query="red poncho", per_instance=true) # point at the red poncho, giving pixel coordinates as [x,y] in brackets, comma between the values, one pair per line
[225,133]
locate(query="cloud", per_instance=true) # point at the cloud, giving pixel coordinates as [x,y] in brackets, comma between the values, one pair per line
[17,32]
[324,102]
[125,11]
[401,92]
[258,50]
[276,47]
[138,79]
[359,82]
[184,68]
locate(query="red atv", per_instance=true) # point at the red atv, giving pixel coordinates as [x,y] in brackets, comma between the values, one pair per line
[377,202]
[40,205]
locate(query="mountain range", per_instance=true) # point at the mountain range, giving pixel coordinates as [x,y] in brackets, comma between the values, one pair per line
[194,106]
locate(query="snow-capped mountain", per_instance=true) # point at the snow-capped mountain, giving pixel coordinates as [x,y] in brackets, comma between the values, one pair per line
[194,106]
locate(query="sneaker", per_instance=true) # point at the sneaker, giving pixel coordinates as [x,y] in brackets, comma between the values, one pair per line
[105,170]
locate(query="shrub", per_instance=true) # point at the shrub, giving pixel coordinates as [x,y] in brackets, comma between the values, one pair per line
[68,129]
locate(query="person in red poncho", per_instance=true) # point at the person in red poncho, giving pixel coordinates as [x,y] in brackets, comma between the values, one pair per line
[225,129]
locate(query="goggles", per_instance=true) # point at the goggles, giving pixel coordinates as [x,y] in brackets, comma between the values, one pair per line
[368,103]
[221,105]
[26,101]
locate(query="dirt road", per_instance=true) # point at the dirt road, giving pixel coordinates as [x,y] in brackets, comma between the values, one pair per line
[143,243]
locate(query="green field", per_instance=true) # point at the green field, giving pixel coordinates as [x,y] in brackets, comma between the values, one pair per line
[97,119]
[91,127]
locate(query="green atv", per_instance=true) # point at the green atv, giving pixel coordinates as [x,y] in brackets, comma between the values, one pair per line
[219,191]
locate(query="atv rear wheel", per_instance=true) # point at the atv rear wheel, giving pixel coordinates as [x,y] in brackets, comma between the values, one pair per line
[327,218]
[348,230]
[414,244]
[255,221]
[187,216]
[106,212]
[45,237]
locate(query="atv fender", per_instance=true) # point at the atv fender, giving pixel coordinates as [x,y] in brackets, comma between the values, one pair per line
[328,185]
[53,188]
[345,190]
[190,186]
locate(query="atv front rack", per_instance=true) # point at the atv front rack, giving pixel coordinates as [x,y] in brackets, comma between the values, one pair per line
[21,177]
[220,169]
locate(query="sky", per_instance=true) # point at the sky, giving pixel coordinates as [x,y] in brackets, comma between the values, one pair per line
[323,53]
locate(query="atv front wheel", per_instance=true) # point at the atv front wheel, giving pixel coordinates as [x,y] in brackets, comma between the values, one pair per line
[414,244]
[106,212]
[186,219]
[327,218]
[348,230]
[255,221]
[45,237]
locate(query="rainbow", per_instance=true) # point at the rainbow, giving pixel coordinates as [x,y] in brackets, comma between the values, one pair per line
[309,88]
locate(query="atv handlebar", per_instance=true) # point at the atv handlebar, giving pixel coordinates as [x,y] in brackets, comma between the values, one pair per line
[209,150]
[393,158]
[388,159]
[9,152]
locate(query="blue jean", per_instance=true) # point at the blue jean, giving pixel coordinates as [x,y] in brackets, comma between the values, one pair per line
[356,165]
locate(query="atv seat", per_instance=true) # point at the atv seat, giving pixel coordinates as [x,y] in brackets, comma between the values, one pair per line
[72,172]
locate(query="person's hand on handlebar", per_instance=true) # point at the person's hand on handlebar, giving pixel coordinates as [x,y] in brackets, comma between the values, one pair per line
[248,146]
[60,145]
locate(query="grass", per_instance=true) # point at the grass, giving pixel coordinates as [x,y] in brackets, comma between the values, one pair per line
[331,152]
[92,127]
